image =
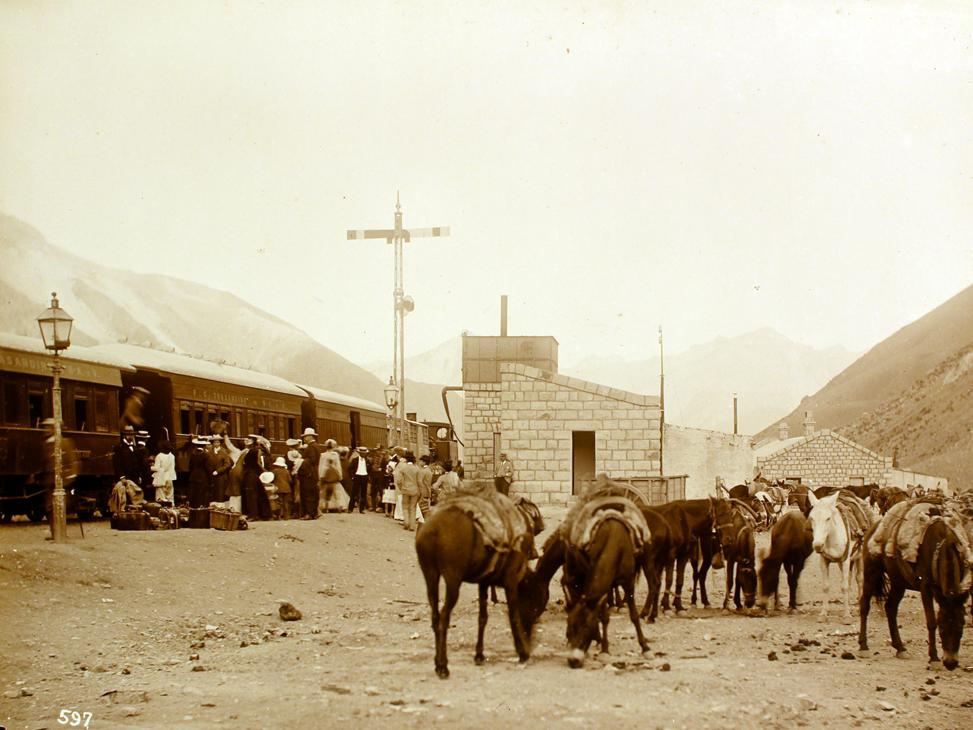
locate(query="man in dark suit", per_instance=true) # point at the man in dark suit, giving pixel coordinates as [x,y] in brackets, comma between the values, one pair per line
[126,457]
[308,474]
[358,469]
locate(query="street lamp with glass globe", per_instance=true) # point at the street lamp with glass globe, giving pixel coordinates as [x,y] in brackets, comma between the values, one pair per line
[55,326]
[391,402]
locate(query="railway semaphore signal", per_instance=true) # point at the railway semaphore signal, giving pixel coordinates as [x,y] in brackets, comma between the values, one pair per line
[402,304]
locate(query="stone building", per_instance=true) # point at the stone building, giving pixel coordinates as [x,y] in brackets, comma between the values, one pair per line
[821,458]
[558,431]
[705,456]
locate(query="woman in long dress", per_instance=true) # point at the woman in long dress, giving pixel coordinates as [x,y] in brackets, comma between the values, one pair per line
[164,474]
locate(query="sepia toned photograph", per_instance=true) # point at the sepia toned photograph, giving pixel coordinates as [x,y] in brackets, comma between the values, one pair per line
[553,364]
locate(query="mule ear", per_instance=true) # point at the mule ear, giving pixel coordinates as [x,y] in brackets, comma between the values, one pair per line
[811,499]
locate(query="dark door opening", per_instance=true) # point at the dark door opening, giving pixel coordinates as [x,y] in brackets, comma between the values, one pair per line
[582,460]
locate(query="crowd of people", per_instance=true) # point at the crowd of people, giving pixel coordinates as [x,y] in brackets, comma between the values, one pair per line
[311,480]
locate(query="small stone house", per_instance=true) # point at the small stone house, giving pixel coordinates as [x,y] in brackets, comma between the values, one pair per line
[559,431]
[821,458]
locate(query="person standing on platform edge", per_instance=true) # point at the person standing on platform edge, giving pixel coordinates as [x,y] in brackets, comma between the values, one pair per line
[307,474]
[329,475]
[199,476]
[125,459]
[425,486]
[377,461]
[505,475]
[220,463]
[358,466]
[164,474]
[282,480]
[407,484]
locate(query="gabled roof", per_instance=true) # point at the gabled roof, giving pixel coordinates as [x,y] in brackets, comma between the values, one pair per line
[565,381]
[775,448]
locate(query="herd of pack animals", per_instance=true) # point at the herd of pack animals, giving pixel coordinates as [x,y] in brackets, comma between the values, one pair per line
[889,539]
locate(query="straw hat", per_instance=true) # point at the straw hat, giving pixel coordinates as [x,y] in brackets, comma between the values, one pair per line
[267,477]
[279,461]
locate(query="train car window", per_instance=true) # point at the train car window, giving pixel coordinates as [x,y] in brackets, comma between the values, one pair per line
[291,427]
[184,424]
[236,423]
[13,402]
[225,416]
[80,413]
[35,409]
[200,419]
[272,424]
[101,411]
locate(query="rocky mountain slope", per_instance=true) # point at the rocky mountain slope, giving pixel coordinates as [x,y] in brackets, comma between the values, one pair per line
[909,394]
[111,305]
[929,425]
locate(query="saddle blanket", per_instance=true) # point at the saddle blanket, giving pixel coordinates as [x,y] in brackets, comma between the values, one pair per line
[502,525]
[585,517]
[903,527]
[855,513]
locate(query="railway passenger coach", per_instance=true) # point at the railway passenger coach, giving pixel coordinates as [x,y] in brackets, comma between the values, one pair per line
[183,395]
[171,396]
[90,386]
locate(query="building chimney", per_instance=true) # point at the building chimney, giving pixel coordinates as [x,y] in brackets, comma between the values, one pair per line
[783,431]
[808,424]
[503,315]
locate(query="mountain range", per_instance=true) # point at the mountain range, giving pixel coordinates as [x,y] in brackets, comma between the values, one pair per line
[112,305]
[767,371]
[910,396]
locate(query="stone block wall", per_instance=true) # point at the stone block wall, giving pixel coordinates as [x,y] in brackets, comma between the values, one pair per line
[540,410]
[827,459]
[704,455]
[481,419]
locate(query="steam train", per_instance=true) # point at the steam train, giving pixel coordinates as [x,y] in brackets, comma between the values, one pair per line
[179,397]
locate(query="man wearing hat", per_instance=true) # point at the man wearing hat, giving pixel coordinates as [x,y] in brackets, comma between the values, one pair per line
[358,467]
[126,459]
[307,474]
[145,462]
[199,474]
[220,463]
[282,480]
[504,476]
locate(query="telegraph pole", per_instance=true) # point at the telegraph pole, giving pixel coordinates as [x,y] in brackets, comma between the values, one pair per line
[401,303]
[662,402]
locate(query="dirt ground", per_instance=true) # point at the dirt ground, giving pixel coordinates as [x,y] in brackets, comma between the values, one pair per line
[180,629]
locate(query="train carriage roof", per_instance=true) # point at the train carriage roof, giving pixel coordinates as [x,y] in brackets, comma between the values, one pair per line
[329,396]
[178,364]
[21,354]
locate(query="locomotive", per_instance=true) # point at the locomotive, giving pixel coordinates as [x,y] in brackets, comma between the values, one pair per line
[179,397]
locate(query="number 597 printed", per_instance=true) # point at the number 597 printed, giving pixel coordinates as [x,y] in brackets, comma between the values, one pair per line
[73,718]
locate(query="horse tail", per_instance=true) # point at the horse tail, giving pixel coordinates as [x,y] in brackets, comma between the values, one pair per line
[874,580]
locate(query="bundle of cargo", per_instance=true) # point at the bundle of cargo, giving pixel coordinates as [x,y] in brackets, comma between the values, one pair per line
[224,519]
[198,518]
[131,520]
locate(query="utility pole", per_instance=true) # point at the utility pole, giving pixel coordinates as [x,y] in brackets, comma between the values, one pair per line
[662,402]
[401,303]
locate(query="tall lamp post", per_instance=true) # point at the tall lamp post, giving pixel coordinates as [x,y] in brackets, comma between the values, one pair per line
[55,326]
[391,402]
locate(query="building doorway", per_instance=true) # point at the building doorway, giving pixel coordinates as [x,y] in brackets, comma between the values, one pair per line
[582,460]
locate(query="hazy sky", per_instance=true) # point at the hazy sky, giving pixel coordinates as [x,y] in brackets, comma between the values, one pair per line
[713,167]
